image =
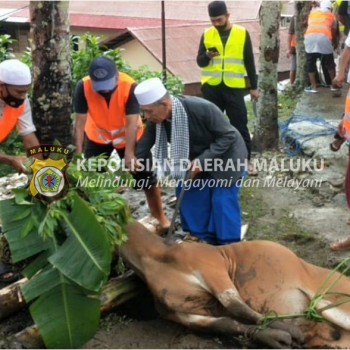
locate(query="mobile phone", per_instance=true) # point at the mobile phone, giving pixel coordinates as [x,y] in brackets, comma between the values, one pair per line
[213,49]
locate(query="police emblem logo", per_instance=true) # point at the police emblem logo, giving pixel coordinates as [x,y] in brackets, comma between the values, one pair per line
[48,182]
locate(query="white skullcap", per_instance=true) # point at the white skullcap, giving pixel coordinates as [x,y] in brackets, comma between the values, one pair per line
[15,72]
[150,91]
[326,5]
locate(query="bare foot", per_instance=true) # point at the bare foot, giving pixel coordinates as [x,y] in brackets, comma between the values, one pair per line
[341,245]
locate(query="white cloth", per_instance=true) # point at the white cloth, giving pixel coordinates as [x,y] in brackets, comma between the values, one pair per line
[25,125]
[15,72]
[180,144]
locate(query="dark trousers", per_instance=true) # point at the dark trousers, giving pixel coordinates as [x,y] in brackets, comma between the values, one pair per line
[231,101]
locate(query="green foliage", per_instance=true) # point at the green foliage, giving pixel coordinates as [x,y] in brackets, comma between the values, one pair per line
[93,49]
[5,47]
[68,248]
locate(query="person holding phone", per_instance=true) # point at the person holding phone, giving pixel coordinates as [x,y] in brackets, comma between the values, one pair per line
[226,57]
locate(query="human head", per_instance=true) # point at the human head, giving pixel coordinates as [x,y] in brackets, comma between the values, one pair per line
[219,15]
[15,82]
[154,100]
[103,74]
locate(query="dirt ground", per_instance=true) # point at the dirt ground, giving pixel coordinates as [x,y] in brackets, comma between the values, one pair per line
[293,217]
[305,219]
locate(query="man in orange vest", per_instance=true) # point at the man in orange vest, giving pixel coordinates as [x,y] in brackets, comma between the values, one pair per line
[321,38]
[108,119]
[291,53]
[15,111]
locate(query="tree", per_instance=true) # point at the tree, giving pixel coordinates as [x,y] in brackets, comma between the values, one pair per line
[302,10]
[52,92]
[266,131]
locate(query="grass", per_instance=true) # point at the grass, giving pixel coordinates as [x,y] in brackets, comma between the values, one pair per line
[287,101]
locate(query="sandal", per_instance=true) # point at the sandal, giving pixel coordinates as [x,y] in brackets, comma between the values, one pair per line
[7,275]
[336,144]
[341,245]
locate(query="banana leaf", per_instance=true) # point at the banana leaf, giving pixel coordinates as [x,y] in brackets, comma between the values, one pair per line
[85,256]
[67,318]
[20,232]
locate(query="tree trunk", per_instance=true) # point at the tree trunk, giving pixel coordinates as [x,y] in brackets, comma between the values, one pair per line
[302,10]
[11,299]
[266,131]
[52,101]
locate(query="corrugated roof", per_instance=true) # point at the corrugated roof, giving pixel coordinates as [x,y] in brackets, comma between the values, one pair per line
[182,44]
[194,11]
[180,10]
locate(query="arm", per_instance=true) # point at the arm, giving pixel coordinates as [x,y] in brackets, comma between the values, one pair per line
[80,121]
[335,34]
[291,33]
[133,122]
[146,142]
[343,65]
[204,56]
[249,64]
[15,162]
[132,126]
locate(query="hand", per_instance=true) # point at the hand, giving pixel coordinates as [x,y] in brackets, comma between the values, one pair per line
[195,169]
[338,81]
[132,163]
[212,54]
[254,95]
[17,163]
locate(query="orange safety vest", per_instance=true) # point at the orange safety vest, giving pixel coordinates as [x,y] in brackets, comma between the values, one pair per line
[105,123]
[293,42]
[320,22]
[346,118]
[9,120]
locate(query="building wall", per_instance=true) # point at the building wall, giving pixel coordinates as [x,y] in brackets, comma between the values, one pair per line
[136,56]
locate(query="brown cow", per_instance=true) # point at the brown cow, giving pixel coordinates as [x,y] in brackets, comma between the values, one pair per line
[228,288]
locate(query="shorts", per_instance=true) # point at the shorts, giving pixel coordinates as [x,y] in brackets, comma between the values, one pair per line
[327,61]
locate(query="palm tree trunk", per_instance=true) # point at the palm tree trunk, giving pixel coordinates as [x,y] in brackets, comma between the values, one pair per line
[52,101]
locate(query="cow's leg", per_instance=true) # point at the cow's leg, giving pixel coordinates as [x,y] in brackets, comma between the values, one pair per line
[222,287]
[274,338]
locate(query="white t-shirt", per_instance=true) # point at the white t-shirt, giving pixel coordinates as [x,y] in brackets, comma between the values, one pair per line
[347,43]
[25,125]
[319,43]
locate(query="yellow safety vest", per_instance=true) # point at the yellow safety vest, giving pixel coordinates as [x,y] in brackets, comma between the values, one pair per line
[229,66]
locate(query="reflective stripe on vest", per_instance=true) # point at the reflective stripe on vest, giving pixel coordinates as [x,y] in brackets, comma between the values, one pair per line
[229,66]
[105,124]
[9,119]
[320,23]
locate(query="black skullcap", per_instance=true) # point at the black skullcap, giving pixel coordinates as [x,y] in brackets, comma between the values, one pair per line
[217,8]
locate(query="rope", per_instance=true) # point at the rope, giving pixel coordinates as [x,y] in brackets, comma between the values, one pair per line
[292,140]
